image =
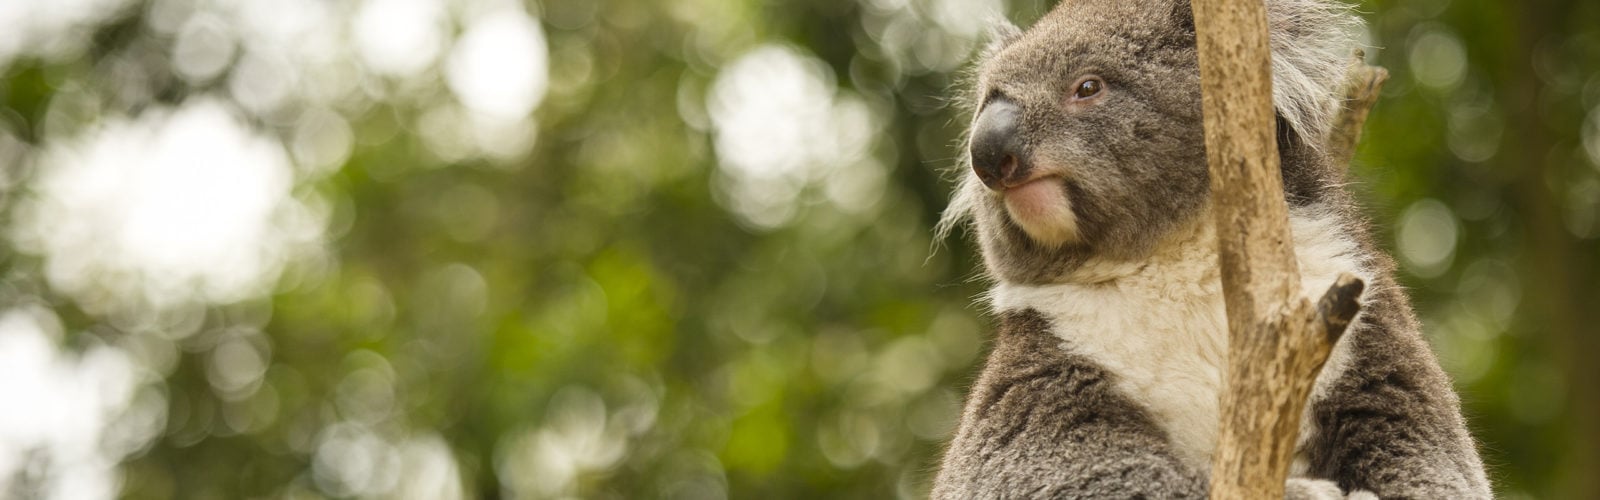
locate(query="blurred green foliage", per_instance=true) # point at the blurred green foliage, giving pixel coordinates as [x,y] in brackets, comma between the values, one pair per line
[622,310]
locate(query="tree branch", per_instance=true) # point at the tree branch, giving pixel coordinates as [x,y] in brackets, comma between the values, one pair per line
[1278,341]
[1361,92]
[1340,305]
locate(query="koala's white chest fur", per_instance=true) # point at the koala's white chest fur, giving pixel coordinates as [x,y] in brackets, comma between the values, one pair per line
[1160,328]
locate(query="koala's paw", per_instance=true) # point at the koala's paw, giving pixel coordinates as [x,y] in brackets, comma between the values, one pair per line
[1300,488]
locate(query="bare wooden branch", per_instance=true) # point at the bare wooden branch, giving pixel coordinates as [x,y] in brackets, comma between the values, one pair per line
[1236,90]
[1340,305]
[1361,91]
[1278,340]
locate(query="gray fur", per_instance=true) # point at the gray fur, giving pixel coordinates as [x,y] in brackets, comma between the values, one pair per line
[1044,422]
[1138,161]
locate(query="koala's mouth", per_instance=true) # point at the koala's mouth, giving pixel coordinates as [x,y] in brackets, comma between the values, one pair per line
[1041,208]
[1032,190]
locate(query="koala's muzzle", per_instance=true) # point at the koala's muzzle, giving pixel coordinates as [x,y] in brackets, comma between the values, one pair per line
[997,155]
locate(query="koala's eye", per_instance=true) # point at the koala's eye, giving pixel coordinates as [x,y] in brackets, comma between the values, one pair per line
[1088,87]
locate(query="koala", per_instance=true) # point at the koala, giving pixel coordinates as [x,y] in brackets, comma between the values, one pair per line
[1088,193]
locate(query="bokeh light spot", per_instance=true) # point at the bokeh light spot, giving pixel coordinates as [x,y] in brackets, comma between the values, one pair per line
[399,37]
[175,205]
[781,125]
[1437,57]
[500,65]
[1427,238]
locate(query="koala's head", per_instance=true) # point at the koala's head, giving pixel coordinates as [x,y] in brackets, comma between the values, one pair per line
[1086,140]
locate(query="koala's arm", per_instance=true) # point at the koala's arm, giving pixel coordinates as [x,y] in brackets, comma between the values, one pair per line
[1391,424]
[1041,422]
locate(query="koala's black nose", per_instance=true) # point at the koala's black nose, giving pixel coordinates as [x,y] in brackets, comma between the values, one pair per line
[997,144]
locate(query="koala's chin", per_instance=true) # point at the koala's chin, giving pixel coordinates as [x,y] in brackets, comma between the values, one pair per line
[1043,211]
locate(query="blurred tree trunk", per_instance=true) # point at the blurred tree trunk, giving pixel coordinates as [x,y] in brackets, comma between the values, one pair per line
[1560,276]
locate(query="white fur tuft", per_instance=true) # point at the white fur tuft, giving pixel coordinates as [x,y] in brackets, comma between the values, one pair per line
[963,202]
[1312,43]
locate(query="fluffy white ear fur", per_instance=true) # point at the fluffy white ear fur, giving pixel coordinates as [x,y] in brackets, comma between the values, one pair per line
[1312,42]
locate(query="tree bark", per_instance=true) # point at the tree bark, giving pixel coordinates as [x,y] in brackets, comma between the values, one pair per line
[1361,91]
[1278,340]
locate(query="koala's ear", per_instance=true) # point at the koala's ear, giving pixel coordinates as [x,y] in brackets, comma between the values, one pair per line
[1001,34]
